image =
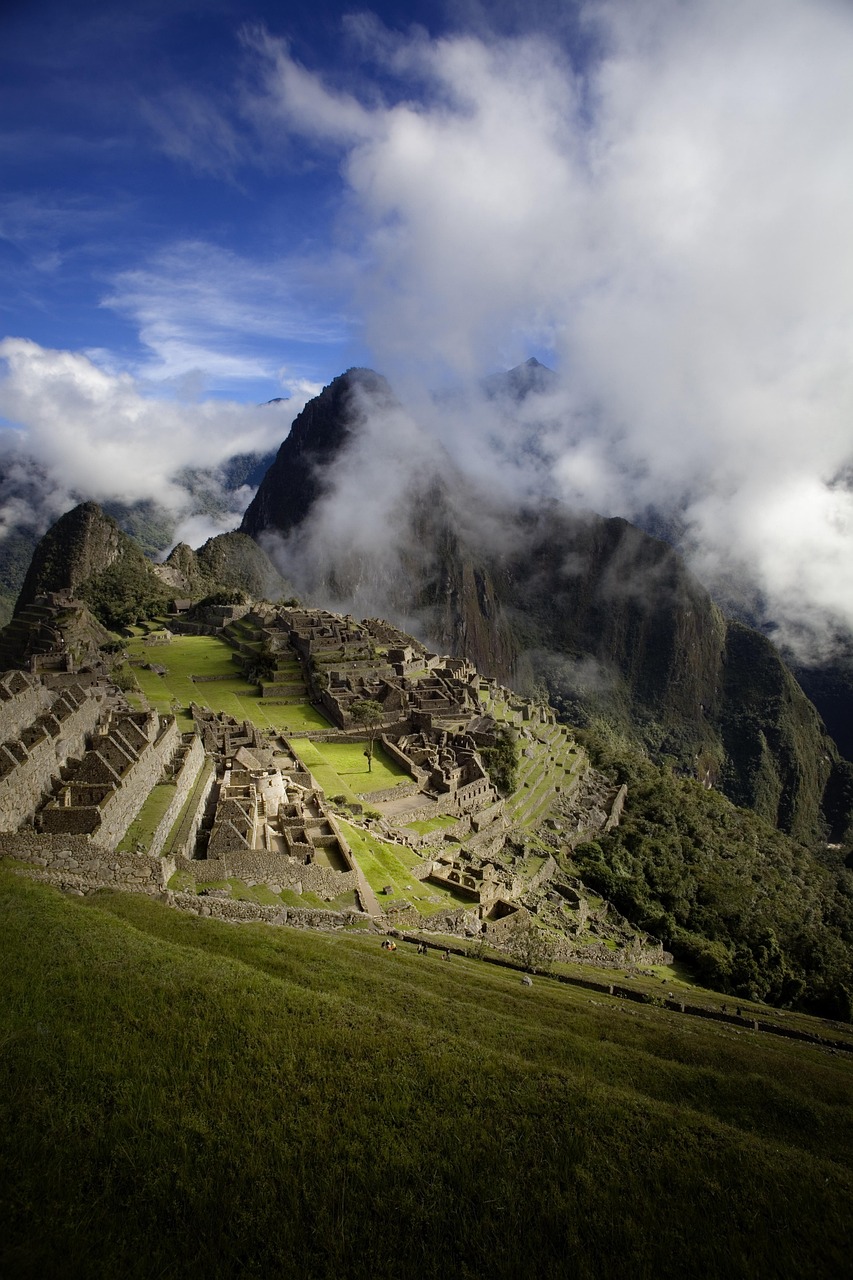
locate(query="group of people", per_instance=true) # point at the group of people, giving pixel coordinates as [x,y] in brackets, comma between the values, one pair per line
[388,944]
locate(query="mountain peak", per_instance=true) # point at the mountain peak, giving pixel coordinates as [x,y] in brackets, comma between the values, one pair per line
[295,480]
[82,542]
[517,383]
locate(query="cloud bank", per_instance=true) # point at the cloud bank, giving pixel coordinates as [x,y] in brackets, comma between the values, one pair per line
[669,217]
[78,430]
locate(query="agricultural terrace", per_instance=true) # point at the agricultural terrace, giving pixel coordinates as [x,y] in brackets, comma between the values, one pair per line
[222,689]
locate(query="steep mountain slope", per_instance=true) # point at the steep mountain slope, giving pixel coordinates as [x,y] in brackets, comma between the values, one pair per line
[295,480]
[607,616]
[30,495]
[229,562]
[87,554]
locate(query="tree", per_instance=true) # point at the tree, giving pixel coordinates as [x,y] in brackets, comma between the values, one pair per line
[370,713]
[530,945]
[501,760]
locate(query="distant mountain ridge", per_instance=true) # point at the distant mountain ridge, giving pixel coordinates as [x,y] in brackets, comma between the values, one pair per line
[28,494]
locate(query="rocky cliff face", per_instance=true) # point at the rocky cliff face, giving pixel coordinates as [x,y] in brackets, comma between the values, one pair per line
[295,481]
[606,616]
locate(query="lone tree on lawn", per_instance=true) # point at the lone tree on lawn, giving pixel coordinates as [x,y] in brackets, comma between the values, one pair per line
[369,712]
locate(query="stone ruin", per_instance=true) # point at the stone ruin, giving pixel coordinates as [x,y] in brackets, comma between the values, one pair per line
[103,792]
[41,730]
[346,661]
[270,821]
[78,765]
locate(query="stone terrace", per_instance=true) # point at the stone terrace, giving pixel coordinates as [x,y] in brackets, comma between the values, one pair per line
[102,794]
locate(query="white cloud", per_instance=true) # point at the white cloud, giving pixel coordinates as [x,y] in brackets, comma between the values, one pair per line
[672,219]
[216,316]
[94,433]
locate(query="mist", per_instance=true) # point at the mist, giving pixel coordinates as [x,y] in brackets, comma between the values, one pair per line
[83,432]
[667,221]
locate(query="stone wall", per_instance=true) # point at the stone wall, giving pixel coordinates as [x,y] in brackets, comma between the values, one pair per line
[76,861]
[485,817]
[542,876]
[401,790]
[30,772]
[616,808]
[124,804]
[416,840]
[452,803]
[267,867]
[22,700]
[185,780]
[251,912]
[185,837]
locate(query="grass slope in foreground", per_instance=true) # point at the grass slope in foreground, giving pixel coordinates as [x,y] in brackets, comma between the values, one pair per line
[183,1098]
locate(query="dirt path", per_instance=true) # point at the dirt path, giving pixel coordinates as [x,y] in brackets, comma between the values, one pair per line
[369,900]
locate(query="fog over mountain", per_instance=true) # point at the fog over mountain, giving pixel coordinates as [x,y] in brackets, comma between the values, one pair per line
[85,432]
[365,512]
[671,219]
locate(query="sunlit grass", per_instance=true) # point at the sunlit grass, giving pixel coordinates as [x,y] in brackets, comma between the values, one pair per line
[141,830]
[385,864]
[344,767]
[187,656]
[433,824]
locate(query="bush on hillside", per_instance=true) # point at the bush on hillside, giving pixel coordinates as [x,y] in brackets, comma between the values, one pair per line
[125,593]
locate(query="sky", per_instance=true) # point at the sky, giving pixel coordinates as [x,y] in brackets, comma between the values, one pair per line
[207,206]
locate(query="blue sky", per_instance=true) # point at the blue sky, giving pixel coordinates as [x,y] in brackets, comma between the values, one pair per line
[153,215]
[205,206]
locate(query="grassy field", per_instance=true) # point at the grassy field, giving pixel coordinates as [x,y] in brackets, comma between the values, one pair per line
[385,864]
[188,656]
[344,767]
[184,1099]
[141,830]
[424,828]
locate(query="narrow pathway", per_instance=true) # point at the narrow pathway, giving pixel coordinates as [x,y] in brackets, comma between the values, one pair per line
[369,900]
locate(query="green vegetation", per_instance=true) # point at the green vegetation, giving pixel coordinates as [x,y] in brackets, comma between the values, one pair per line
[755,913]
[342,767]
[185,1099]
[179,835]
[501,760]
[188,656]
[368,713]
[124,593]
[440,823]
[141,830]
[383,864]
[531,946]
